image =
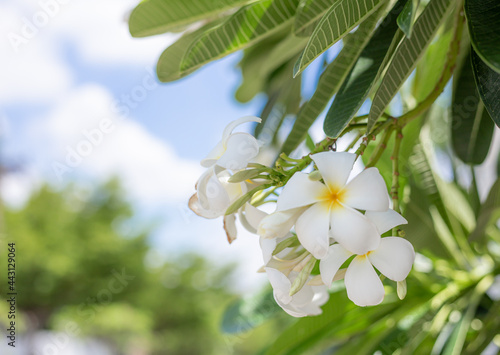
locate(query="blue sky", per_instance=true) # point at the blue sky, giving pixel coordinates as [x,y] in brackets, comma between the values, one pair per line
[75,72]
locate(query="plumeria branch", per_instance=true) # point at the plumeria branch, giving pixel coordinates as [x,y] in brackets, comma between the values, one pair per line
[395,174]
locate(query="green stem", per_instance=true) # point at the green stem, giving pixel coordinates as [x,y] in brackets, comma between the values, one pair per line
[379,150]
[395,175]
[322,146]
[354,141]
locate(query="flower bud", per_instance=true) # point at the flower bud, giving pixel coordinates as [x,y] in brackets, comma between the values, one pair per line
[278,224]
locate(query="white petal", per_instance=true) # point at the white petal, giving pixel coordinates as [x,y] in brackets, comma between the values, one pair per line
[278,224]
[195,206]
[312,230]
[329,265]
[353,230]
[230,227]
[367,191]
[362,283]
[311,309]
[217,197]
[232,125]
[321,295]
[303,297]
[233,190]
[290,309]
[253,216]
[241,148]
[213,156]
[300,191]
[335,167]
[267,246]
[306,302]
[393,258]
[385,220]
[281,285]
[201,187]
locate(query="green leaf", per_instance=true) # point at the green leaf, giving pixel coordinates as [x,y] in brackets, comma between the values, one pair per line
[168,67]
[284,99]
[309,143]
[407,17]
[254,58]
[458,205]
[287,243]
[245,314]
[431,63]
[457,340]
[309,13]
[407,54]
[489,207]
[329,82]
[342,17]
[420,229]
[471,125]
[488,85]
[360,80]
[281,53]
[302,277]
[340,318]
[483,18]
[491,324]
[248,25]
[152,17]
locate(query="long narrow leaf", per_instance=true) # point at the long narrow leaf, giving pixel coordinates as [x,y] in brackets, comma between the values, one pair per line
[489,207]
[308,15]
[169,64]
[407,17]
[488,85]
[471,125]
[407,54]
[152,17]
[329,82]
[247,26]
[342,17]
[483,18]
[362,77]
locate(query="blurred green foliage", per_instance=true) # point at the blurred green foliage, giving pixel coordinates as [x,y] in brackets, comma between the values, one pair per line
[78,260]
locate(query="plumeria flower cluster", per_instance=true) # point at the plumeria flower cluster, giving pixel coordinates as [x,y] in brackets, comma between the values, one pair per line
[214,193]
[327,218]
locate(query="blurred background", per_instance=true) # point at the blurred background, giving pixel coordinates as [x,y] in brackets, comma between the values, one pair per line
[98,161]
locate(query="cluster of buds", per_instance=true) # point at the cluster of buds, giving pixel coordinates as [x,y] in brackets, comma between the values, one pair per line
[326,218]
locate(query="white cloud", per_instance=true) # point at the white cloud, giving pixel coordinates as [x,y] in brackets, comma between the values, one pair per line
[36,33]
[150,169]
[99,29]
[34,72]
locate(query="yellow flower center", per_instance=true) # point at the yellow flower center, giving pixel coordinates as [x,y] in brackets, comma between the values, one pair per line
[333,198]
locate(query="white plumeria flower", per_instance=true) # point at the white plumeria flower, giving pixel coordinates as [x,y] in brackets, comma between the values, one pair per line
[278,224]
[235,150]
[306,302]
[394,258]
[334,204]
[215,194]
[251,220]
